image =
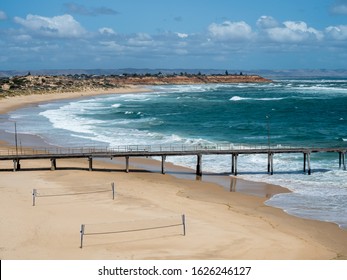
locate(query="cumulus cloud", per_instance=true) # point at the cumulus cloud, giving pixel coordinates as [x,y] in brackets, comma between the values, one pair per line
[230,31]
[289,31]
[107,31]
[3,15]
[337,32]
[182,35]
[339,7]
[265,22]
[141,40]
[74,8]
[64,26]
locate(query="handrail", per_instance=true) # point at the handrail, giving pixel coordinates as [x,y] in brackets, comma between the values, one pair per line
[155,148]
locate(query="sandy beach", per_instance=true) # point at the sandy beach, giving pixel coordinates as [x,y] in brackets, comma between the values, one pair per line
[219,224]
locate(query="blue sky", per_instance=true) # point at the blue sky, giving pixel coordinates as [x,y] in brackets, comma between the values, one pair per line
[221,34]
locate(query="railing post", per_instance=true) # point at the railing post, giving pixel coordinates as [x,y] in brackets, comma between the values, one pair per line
[82,234]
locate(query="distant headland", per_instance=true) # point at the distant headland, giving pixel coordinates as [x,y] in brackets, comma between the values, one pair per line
[39,84]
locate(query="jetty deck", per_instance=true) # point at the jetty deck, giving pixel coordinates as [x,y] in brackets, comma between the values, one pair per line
[127,152]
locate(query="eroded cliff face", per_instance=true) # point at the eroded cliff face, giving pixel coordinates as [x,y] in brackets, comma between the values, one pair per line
[72,83]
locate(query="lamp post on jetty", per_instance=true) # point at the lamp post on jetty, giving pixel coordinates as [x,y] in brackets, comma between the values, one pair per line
[268,131]
[270,155]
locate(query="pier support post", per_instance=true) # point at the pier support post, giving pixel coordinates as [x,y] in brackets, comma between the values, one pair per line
[307,158]
[232,163]
[309,163]
[127,164]
[270,163]
[235,164]
[304,162]
[90,159]
[198,165]
[163,158]
[342,160]
[16,165]
[53,164]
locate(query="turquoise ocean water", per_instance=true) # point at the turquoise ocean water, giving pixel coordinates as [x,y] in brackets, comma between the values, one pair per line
[290,112]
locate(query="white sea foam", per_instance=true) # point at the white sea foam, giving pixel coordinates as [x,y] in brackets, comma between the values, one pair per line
[239,98]
[75,123]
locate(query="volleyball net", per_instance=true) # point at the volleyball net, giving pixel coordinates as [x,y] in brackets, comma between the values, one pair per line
[76,191]
[132,226]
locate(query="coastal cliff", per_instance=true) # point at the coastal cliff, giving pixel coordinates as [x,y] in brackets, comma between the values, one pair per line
[30,84]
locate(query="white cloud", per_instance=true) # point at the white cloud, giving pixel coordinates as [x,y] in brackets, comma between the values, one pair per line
[113,46]
[337,32]
[267,22]
[182,35]
[141,40]
[107,31]
[64,26]
[230,31]
[293,31]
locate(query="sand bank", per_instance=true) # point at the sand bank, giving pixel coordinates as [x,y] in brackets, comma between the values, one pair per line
[220,224]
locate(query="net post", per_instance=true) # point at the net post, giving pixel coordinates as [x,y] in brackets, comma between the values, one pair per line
[82,234]
[112,185]
[184,224]
[34,196]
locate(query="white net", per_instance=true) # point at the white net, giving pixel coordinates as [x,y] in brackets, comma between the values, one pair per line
[133,225]
[85,190]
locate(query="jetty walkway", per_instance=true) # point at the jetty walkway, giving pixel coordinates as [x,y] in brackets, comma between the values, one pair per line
[163,151]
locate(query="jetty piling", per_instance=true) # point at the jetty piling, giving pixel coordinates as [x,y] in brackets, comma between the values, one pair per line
[163,158]
[342,160]
[270,163]
[53,164]
[90,161]
[198,165]
[127,164]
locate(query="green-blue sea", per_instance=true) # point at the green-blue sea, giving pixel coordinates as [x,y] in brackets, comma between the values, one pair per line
[286,112]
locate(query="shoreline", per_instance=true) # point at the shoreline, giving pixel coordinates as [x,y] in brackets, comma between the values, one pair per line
[285,234]
[15,102]
[228,182]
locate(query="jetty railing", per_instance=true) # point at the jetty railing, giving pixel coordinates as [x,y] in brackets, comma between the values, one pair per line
[163,151]
[145,148]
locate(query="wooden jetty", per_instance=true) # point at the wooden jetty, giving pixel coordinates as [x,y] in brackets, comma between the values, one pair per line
[54,154]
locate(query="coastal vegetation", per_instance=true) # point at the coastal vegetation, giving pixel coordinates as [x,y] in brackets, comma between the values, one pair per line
[40,84]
